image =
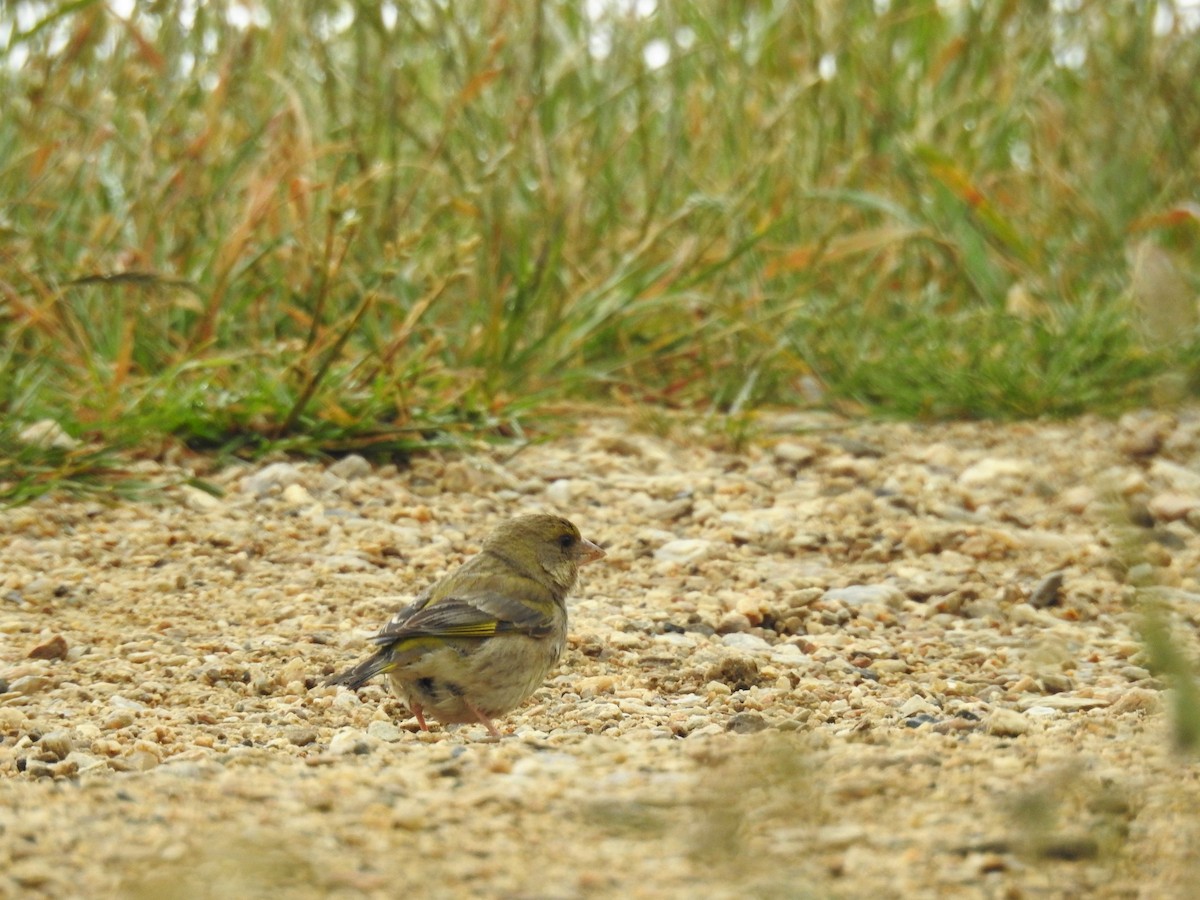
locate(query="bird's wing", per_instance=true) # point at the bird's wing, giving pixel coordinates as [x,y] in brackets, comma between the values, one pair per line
[518,606]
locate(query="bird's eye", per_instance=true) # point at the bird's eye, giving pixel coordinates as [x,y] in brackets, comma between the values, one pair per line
[567,541]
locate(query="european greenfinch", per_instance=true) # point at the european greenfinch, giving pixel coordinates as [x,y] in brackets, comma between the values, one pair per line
[476,643]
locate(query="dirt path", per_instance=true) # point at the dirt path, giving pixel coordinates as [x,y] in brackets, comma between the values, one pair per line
[833,665]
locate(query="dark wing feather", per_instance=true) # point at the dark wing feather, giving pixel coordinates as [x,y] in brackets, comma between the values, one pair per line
[479,616]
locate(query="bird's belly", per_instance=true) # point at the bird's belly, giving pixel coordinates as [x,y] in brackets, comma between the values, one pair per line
[493,676]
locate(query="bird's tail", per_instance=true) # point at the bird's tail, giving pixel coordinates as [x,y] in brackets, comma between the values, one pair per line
[356,676]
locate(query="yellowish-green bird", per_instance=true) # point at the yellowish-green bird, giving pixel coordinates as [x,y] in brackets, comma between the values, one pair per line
[476,643]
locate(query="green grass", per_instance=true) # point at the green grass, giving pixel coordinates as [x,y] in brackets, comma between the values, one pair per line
[320,237]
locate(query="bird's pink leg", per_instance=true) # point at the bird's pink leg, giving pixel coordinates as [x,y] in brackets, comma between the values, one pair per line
[483,720]
[420,714]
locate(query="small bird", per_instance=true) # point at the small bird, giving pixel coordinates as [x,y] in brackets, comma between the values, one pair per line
[479,641]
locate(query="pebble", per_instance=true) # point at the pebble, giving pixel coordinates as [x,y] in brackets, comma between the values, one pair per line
[351,467]
[1041,711]
[57,743]
[47,433]
[918,705]
[1004,722]
[685,551]
[990,469]
[388,732]
[1173,506]
[749,643]
[1183,479]
[1138,700]
[862,594]
[560,493]
[794,453]
[1046,593]
[746,723]
[296,495]
[116,701]
[1063,702]
[301,737]
[27,685]
[55,648]
[198,500]
[275,476]
[121,719]
[349,741]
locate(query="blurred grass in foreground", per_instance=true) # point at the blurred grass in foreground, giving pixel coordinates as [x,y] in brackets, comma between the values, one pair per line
[345,225]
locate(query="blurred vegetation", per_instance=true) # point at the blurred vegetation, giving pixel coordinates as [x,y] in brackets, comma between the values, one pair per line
[325,226]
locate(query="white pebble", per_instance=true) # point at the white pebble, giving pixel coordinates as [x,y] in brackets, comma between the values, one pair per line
[1007,723]
[276,475]
[684,551]
[349,740]
[748,642]
[861,594]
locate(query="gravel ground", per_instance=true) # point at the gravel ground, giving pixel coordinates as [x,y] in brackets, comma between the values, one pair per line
[851,660]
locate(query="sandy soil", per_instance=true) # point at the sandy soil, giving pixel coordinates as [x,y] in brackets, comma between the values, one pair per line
[839,663]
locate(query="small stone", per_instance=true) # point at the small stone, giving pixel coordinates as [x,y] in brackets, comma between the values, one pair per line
[1047,591]
[594,686]
[1004,722]
[736,674]
[1078,498]
[748,642]
[1142,438]
[918,705]
[559,492]
[199,501]
[1134,673]
[270,478]
[301,737]
[137,761]
[121,719]
[57,743]
[684,551]
[746,723]
[55,648]
[1041,711]
[1063,702]
[347,562]
[47,433]
[28,685]
[733,622]
[794,454]
[991,470]
[388,732]
[116,701]
[1172,506]
[296,495]
[12,720]
[1057,683]
[83,762]
[1180,478]
[1138,700]
[37,768]
[349,741]
[670,510]
[351,467]
[862,594]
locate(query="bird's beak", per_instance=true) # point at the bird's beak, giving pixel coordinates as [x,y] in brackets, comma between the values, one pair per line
[589,552]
